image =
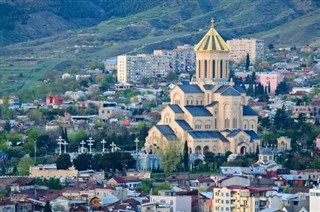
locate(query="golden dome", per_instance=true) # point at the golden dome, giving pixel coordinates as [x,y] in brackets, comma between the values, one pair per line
[212,41]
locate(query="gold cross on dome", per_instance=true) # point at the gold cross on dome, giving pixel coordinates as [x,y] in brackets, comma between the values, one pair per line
[212,23]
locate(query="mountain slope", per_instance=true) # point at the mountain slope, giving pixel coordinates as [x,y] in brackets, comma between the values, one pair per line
[157,25]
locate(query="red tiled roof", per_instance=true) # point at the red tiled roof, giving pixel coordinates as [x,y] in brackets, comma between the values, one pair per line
[126,179]
[229,177]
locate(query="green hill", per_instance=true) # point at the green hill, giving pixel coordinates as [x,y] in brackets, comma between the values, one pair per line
[57,33]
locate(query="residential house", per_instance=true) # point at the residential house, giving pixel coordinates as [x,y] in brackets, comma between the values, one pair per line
[129,182]
[177,203]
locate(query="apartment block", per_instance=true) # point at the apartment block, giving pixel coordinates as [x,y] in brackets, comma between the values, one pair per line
[240,47]
[241,198]
[314,203]
[133,68]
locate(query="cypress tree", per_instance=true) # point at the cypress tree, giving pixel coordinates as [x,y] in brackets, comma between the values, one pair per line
[186,157]
[47,207]
[247,61]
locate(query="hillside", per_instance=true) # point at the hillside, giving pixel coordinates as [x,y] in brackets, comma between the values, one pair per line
[66,32]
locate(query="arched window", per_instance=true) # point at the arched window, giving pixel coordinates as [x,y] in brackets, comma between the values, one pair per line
[221,76]
[205,69]
[227,123]
[199,69]
[234,123]
[213,69]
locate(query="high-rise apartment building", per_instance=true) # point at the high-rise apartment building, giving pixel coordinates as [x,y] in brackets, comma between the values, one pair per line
[133,68]
[239,48]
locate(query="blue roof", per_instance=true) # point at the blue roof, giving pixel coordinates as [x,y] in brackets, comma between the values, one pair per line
[198,110]
[230,92]
[248,111]
[239,88]
[222,88]
[185,82]
[183,124]
[190,88]
[165,129]
[212,104]
[234,133]
[208,134]
[252,134]
[208,86]
[176,108]
[170,136]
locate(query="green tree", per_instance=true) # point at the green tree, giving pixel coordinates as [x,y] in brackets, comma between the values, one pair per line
[170,157]
[281,120]
[186,156]
[172,76]
[210,158]
[63,162]
[7,127]
[35,115]
[160,187]
[247,61]
[54,183]
[47,207]
[24,165]
[257,153]
[265,122]
[282,88]
[145,186]
[270,46]
[5,106]
[83,162]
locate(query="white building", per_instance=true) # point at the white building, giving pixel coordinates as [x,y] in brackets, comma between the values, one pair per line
[314,200]
[240,47]
[157,65]
[177,203]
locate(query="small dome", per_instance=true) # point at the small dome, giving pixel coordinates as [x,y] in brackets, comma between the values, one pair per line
[266,151]
[212,41]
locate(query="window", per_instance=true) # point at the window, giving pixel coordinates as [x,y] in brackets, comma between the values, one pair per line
[213,69]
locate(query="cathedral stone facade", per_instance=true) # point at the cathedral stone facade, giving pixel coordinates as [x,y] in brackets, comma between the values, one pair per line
[210,112]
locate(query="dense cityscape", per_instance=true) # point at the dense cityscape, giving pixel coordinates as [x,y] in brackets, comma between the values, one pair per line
[217,125]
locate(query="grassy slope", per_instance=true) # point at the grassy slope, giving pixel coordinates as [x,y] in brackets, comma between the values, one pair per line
[158,28]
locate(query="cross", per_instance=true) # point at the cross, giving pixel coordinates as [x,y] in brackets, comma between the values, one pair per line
[103,143]
[90,144]
[82,148]
[65,146]
[212,23]
[137,142]
[60,139]
[113,145]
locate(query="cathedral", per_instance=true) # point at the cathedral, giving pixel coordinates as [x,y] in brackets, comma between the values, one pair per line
[210,112]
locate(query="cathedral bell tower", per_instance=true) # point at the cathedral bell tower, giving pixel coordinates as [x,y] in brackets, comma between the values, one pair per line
[212,56]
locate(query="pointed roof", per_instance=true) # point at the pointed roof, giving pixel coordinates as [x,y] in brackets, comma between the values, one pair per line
[212,41]
[190,88]
[248,111]
[230,92]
